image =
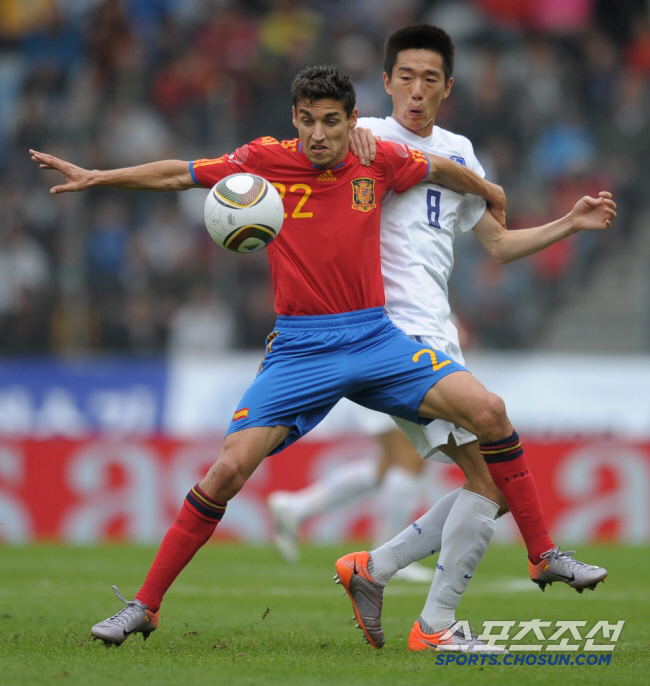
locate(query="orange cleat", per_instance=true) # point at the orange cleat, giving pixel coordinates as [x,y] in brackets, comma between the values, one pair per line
[366,595]
[460,640]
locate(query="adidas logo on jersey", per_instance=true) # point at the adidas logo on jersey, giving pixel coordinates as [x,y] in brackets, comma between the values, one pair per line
[326,176]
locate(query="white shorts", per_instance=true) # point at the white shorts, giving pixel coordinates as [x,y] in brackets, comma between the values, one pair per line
[427,438]
[348,417]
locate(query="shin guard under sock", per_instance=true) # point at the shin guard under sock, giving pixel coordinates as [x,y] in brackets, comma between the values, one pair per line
[193,527]
[508,468]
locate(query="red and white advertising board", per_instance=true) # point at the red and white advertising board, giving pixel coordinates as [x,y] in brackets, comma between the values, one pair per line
[95,489]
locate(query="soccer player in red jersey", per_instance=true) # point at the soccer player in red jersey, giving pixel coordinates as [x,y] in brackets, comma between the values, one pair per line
[332,338]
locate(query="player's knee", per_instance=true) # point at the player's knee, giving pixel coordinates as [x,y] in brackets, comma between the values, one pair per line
[491,420]
[226,477]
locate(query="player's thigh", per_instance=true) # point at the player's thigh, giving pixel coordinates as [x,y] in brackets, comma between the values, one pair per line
[397,451]
[462,399]
[240,455]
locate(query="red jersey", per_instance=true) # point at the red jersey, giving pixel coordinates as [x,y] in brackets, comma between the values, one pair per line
[326,259]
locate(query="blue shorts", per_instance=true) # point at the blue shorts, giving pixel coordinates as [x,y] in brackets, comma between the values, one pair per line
[312,362]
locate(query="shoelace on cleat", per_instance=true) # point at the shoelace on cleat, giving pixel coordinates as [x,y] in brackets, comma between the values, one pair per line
[566,556]
[131,609]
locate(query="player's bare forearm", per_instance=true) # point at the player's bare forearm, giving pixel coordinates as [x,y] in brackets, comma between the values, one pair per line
[165,175]
[588,214]
[506,246]
[458,177]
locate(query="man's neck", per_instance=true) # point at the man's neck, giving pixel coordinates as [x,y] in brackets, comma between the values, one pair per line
[422,133]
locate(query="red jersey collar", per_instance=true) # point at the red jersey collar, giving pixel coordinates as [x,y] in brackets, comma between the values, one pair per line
[316,166]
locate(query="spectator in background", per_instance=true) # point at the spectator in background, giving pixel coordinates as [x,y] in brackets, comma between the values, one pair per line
[359,57]
[19,18]
[289,32]
[134,130]
[52,49]
[202,326]
[138,325]
[69,71]
[107,247]
[166,249]
[113,47]
[25,276]
[254,301]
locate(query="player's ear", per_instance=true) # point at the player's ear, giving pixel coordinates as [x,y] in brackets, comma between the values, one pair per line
[448,86]
[389,90]
[294,116]
[352,119]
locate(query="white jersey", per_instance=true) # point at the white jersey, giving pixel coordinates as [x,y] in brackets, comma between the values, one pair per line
[417,255]
[417,235]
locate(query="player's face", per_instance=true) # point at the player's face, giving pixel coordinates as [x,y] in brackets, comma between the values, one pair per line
[417,86]
[324,130]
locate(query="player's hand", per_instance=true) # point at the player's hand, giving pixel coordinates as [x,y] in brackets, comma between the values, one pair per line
[594,213]
[364,145]
[76,178]
[496,203]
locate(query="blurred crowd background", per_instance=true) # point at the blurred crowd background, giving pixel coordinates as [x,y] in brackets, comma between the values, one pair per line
[554,94]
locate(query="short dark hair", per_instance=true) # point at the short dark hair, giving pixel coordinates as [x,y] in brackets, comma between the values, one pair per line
[420,37]
[321,83]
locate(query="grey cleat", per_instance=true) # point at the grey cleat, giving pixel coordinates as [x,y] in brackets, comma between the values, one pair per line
[557,565]
[366,595]
[135,617]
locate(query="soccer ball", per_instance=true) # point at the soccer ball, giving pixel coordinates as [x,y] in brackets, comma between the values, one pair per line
[243,212]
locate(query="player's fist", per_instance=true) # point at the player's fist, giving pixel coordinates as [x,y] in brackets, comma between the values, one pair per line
[594,213]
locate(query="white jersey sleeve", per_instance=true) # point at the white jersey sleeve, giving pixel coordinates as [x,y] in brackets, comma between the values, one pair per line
[472,208]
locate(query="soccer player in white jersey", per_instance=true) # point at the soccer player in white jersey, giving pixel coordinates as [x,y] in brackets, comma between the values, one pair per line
[417,235]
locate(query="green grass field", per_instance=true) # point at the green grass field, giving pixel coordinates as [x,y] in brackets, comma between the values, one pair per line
[237,615]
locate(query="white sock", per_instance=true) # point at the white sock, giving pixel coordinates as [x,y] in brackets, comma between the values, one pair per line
[466,536]
[339,487]
[395,501]
[415,542]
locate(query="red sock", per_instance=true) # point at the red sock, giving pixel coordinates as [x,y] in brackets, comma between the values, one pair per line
[193,527]
[508,468]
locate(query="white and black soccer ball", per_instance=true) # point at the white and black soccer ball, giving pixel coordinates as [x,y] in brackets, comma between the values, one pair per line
[243,212]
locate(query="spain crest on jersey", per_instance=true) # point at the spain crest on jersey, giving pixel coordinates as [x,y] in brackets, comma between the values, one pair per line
[363,195]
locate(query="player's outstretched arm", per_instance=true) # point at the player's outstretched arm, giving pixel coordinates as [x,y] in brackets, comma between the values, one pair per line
[457,177]
[588,214]
[166,175]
